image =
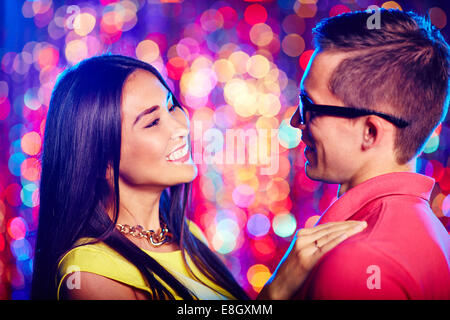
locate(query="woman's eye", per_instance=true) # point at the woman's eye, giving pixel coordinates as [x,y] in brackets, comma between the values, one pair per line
[154,123]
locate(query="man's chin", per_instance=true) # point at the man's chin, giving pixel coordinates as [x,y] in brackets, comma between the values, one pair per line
[310,172]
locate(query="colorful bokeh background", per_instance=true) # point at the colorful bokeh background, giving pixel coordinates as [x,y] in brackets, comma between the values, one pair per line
[233,64]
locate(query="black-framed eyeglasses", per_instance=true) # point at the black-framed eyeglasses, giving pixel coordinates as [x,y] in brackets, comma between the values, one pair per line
[305,104]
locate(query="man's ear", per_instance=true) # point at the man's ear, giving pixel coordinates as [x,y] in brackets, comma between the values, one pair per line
[373,131]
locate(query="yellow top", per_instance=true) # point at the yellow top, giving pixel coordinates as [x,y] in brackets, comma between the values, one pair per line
[101,259]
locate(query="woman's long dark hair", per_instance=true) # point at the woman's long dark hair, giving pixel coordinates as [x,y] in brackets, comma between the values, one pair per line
[82,137]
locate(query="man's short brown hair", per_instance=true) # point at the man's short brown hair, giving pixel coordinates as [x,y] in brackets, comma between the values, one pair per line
[401,68]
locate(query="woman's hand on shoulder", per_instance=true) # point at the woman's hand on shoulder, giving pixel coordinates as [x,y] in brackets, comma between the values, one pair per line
[307,247]
[90,286]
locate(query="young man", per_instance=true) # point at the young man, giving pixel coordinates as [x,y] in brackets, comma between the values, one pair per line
[370,99]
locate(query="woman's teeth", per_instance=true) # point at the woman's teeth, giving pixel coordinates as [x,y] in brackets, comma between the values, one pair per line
[178,154]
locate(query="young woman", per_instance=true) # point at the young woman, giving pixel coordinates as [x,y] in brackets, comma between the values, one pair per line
[116,166]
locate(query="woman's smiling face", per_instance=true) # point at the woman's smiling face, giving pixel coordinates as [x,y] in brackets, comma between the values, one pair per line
[155,148]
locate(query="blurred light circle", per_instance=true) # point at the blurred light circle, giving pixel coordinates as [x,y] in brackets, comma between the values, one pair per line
[438,17]
[17,228]
[284,224]
[277,189]
[234,89]
[31,99]
[21,249]
[391,5]
[22,62]
[311,222]
[435,170]
[31,143]
[258,225]
[211,20]
[14,163]
[194,102]
[258,275]
[83,24]
[263,248]
[305,10]
[30,195]
[239,60]
[175,67]
[76,50]
[5,108]
[245,105]
[293,45]
[254,14]
[243,195]
[30,169]
[7,62]
[224,117]
[339,9]
[268,105]
[224,70]
[128,11]
[204,117]
[12,194]
[432,145]
[261,34]
[258,66]
[48,57]
[267,123]
[229,15]
[4,90]
[198,83]
[286,204]
[446,206]
[192,47]
[288,136]
[243,30]
[2,247]
[41,6]
[27,9]
[293,24]
[111,27]
[147,51]
[304,59]
[224,240]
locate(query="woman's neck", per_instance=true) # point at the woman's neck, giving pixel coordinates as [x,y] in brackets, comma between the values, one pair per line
[140,206]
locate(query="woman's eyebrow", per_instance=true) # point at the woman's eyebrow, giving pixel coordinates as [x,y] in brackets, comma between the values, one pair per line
[146,111]
[151,109]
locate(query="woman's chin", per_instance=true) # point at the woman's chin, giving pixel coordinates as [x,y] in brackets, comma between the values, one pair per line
[184,173]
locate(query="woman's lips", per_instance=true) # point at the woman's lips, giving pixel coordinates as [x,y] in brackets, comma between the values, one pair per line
[180,154]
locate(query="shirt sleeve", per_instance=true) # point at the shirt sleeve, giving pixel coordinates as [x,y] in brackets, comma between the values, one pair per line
[359,272]
[101,261]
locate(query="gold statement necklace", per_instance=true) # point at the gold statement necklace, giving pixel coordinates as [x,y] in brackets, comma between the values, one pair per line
[156,239]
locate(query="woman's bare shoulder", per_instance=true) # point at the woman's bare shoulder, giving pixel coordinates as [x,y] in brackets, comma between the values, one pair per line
[90,286]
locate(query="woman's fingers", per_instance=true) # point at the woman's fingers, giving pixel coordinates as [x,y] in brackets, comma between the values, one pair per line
[320,236]
[332,242]
[349,231]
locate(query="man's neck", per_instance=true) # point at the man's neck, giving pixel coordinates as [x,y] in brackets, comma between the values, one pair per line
[364,175]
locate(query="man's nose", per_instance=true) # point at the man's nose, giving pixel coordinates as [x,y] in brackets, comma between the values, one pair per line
[296,120]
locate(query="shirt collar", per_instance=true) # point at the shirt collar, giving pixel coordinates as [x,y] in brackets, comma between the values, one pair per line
[396,183]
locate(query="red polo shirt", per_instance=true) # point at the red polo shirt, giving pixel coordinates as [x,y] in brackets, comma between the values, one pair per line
[404,253]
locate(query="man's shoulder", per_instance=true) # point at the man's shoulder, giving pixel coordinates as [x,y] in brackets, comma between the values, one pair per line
[352,270]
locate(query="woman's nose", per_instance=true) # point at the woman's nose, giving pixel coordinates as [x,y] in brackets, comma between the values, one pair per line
[180,132]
